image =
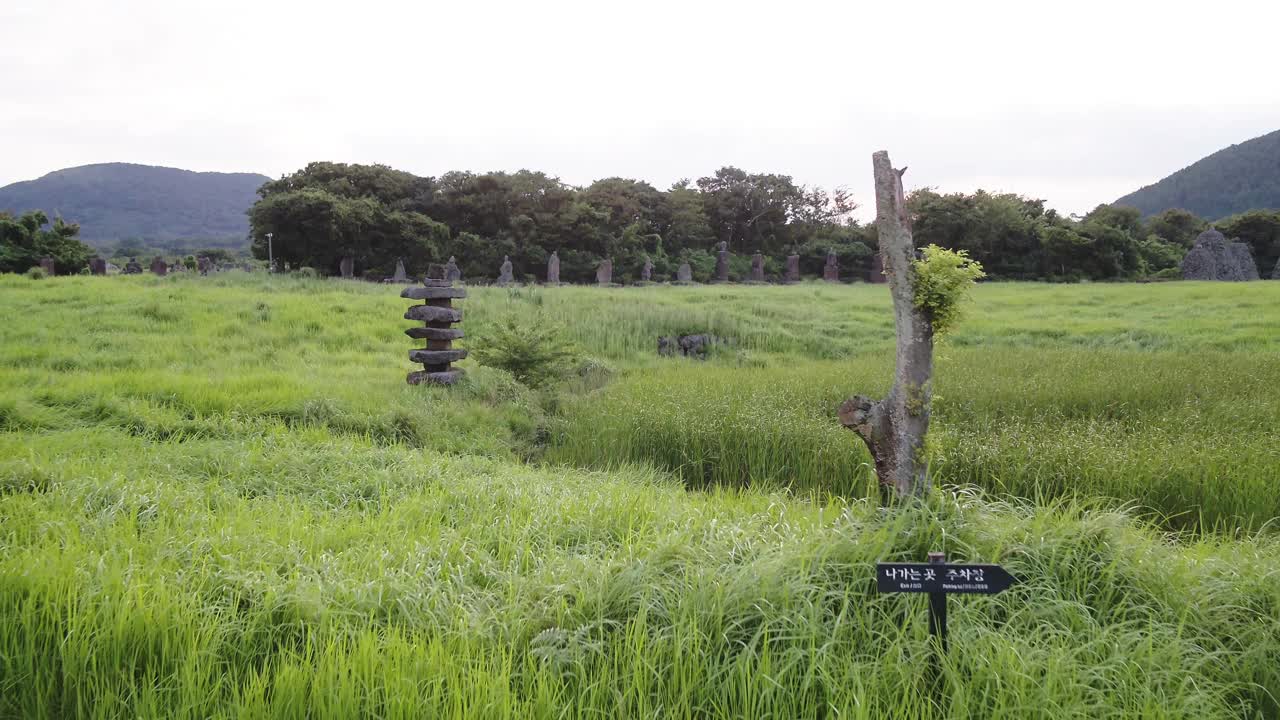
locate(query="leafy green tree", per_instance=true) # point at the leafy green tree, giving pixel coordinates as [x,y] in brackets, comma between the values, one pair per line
[1177,226]
[1260,230]
[25,240]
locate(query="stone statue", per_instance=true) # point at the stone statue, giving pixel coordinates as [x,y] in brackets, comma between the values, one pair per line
[553,269]
[98,266]
[793,268]
[133,267]
[877,270]
[646,271]
[159,267]
[401,275]
[451,271]
[757,268]
[684,274]
[831,271]
[347,266]
[604,272]
[46,264]
[504,273]
[722,262]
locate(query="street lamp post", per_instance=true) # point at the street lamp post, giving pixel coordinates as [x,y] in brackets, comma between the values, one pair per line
[271,256]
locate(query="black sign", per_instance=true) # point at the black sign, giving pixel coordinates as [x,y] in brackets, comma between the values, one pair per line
[942,578]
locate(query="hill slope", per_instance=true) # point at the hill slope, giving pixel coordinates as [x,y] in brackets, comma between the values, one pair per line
[1235,179]
[113,201]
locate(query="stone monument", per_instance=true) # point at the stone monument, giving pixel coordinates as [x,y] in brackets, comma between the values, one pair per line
[347,266]
[722,262]
[1244,260]
[831,271]
[203,264]
[437,315]
[877,269]
[793,269]
[646,271]
[684,274]
[133,267]
[97,266]
[159,266]
[1213,258]
[757,268]
[451,271]
[604,273]
[553,269]
[504,273]
[46,264]
[401,275]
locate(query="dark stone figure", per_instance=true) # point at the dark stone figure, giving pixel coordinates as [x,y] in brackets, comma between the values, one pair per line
[133,267]
[451,271]
[877,269]
[347,266]
[646,272]
[722,262]
[553,269]
[684,274]
[757,268]
[46,264]
[604,273]
[793,268]
[1244,260]
[831,271]
[97,266]
[1213,258]
[401,275]
[1275,274]
[504,273]
[159,266]
[204,265]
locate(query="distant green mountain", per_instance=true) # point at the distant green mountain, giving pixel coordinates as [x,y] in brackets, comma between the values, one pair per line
[116,201]
[1233,180]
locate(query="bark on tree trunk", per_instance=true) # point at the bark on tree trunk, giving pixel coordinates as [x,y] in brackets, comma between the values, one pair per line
[894,428]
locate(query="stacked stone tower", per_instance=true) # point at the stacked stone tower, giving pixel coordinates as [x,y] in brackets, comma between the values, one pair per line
[437,315]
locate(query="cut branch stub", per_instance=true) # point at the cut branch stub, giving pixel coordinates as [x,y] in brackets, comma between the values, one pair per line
[894,428]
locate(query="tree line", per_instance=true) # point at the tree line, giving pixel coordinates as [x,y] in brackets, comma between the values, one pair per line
[376,215]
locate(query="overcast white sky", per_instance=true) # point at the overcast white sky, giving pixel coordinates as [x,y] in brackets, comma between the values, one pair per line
[1075,102]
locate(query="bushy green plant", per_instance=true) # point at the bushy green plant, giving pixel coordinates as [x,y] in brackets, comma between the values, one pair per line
[942,279]
[535,353]
[37,273]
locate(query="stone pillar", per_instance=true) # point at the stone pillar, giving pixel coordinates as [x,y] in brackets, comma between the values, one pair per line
[831,271]
[400,275]
[877,270]
[757,268]
[793,268]
[46,264]
[604,273]
[133,267]
[159,266]
[553,269]
[722,262]
[437,315]
[505,276]
[646,271]
[97,266]
[451,271]
[684,274]
[347,266]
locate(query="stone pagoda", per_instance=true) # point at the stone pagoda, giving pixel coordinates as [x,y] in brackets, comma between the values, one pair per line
[437,315]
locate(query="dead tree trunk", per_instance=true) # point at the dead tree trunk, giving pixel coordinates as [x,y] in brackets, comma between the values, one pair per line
[894,427]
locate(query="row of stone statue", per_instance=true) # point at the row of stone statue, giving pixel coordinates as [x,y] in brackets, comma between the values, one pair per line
[684,274]
[1213,258]
[99,266]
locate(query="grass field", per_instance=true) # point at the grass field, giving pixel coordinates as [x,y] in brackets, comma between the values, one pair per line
[218,498]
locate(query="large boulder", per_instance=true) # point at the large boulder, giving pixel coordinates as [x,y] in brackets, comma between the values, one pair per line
[1243,256]
[1213,258]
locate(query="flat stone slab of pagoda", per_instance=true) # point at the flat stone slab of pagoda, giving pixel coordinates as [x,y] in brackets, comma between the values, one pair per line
[430,333]
[444,377]
[433,293]
[431,313]
[436,357]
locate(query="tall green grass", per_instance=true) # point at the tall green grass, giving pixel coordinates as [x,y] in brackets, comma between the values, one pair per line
[218,498]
